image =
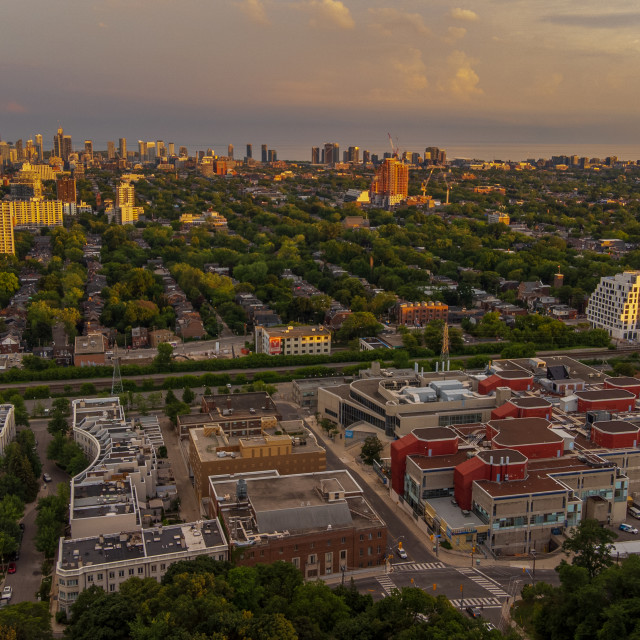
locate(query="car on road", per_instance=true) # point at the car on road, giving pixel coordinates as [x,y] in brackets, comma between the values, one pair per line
[12,567]
[7,592]
[402,553]
[46,477]
[474,612]
[628,528]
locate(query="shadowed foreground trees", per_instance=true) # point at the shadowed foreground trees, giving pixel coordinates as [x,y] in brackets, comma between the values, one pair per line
[206,600]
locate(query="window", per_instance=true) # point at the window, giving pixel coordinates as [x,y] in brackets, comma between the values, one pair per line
[361,537]
[343,540]
[343,554]
[312,559]
[379,534]
[295,562]
[121,573]
[90,578]
[154,568]
[131,572]
[100,576]
[61,582]
[112,574]
[140,570]
[112,587]
[163,567]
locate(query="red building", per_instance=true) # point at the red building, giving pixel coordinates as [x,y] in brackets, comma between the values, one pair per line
[531,436]
[430,441]
[605,400]
[523,408]
[515,379]
[507,464]
[615,434]
[626,383]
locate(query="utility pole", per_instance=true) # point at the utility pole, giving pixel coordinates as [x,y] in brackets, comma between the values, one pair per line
[116,382]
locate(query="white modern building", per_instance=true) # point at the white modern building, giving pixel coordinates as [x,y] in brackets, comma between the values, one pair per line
[7,425]
[615,306]
[116,506]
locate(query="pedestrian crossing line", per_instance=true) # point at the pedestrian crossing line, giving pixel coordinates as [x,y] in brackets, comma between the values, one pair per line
[486,603]
[483,582]
[419,566]
[387,584]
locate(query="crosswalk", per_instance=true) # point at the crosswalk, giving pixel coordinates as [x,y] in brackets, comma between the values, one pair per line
[482,581]
[387,584]
[418,566]
[485,603]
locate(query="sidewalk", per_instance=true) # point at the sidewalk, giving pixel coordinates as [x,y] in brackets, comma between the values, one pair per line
[452,558]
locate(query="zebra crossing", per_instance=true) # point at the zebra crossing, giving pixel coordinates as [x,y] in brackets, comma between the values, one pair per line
[484,582]
[387,584]
[488,603]
[418,566]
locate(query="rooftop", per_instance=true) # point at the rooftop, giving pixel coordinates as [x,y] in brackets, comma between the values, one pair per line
[439,462]
[599,395]
[532,484]
[530,402]
[521,431]
[623,381]
[615,426]
[434,433]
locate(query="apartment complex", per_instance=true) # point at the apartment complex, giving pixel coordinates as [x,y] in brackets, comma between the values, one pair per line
[320,522]
[33,214]
[116,507]
[7,243]
[7,426]
[390,184]
[289,448]
[421,313]
[293,341]
[615,306]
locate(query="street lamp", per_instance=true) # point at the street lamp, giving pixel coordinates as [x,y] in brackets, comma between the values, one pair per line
[533,575]
[343,568]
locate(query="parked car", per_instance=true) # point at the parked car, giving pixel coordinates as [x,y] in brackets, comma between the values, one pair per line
[634,512]
[7,592]
[46,477]
[402,553]
[628,528]
[12,567]
[474,612]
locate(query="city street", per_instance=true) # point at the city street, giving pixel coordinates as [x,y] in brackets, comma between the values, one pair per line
[26,581]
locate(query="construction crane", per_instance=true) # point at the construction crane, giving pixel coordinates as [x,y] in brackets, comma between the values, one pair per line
[395,150]
[425,183]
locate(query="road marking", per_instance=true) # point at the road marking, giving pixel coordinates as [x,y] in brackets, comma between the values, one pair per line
[418,566]
[483,581]
[387,584]
[487,603]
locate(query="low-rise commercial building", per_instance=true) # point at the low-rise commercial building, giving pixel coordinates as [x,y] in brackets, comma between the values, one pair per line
[90,350]
[289,448]
[293,341]
[320,522]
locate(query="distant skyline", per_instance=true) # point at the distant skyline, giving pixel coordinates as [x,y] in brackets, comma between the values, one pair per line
[297,73]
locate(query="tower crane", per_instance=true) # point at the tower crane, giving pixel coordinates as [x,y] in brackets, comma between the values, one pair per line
[425,183]
[395,150]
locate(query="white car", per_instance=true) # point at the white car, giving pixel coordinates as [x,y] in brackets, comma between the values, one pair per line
[628,528]
[402,553]
[7,592]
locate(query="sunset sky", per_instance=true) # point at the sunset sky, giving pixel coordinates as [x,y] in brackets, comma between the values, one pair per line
[296,73]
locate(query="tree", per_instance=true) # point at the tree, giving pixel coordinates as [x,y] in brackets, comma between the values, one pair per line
[30,620]
[165,353]
[188,396]
[371,449]
[591,545]
[62,405]
[170,398]
[58,424]
[359,325]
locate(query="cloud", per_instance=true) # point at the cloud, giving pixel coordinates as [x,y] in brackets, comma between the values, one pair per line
[595,21]
[13,107]
[464,83]
[466,15]
[455,33]
[411,70]
[330,13]
[546,86]
[389,19]
[254,10]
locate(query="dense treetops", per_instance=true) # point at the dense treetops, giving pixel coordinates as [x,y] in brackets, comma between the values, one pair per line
[205,599]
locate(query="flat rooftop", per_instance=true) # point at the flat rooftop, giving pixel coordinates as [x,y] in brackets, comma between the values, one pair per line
[533,484]
[599,395]
[529,402]
[453,515]
[140,544]
[434,433]
[439,462]
[615,426]
[520,431]
[623,381]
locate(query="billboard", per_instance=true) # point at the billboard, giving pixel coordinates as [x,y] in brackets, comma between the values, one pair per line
[275,346]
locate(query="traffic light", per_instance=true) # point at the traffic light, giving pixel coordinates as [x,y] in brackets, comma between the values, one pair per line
[434,586]
[400,545]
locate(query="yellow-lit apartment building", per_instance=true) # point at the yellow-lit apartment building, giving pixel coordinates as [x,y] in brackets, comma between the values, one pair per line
[7,244]
[34,213]
[293,341]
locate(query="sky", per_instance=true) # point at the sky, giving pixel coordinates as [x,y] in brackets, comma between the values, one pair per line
[298,73]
